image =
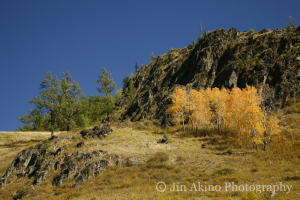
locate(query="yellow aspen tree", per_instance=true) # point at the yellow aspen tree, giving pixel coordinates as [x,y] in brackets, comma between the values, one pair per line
[193,109]
[190,109]
[272,129]
[235,108]
[218,99]
[201,113]
[179,109]
[253,115]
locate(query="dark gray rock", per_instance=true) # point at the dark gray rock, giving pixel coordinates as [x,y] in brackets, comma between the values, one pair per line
[101,131]
[80,144]
[220,59]
[85,133]
[40,161]
[90,171]
[163,141]
[66,174]
[53,137]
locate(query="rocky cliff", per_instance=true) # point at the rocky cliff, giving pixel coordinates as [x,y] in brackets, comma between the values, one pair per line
[268,60]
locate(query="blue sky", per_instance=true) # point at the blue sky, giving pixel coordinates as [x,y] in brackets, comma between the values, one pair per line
[82,37]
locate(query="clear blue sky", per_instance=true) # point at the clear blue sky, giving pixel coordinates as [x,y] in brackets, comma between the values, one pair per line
[84,36]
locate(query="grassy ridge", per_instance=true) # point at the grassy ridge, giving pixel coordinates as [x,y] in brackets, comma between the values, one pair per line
[181,161]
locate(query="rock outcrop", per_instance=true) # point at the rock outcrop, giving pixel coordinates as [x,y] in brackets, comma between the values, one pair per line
[268,60]
[101,131]
[41,161]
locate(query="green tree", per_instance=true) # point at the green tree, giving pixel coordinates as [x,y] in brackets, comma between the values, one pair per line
[136,68]
[48,101]
[125,82]
[34,121]
[107,86]
[290,23]
[83,119]
[130,94]
[60,106]
[95,108]
[118,94]
[152,57]
[193,43]
[69,101]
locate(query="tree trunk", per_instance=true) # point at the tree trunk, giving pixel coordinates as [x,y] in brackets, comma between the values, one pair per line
[183,121]
[265,144]
[68,124]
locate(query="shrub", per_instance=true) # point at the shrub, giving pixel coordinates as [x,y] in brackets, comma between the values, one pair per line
[292,178]
[180,158]
[159,157]
[177,170]
[225,171]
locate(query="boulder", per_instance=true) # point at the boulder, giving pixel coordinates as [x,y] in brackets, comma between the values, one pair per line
[80,144]
[163,141]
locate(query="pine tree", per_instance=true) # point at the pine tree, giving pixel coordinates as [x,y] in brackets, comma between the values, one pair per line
[58,107]
[136,68]
[48,101]
[152,57]
[34,121]
[69,100]
[193,43]
[95,108]
[83,119]
[107,86]
[130,94]
[125,82]
[118,95]
[291,23]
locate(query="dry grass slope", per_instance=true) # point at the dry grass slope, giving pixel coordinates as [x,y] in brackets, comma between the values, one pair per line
[181,161]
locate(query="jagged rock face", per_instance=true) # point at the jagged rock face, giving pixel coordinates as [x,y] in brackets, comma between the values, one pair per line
[39,162]
[100,131]
[268,60]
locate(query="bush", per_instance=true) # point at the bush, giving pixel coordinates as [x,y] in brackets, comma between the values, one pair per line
[180,158]
[159,157]
[292,178]
[224,172]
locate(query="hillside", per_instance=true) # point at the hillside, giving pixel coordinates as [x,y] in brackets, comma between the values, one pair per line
[268,60]
[184,160]
[128,155]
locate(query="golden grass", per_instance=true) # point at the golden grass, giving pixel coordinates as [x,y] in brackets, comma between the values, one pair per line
[11,143]
[186,162]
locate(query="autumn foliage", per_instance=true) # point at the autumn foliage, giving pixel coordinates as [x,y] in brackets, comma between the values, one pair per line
[237,110]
